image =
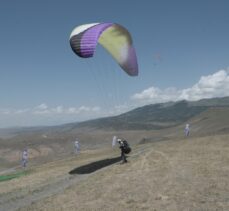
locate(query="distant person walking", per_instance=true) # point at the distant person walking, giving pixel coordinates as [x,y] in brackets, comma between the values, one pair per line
[77,146]
[187,130]
[24,160]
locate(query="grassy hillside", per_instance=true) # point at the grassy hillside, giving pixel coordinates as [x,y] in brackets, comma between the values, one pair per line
[174,175]
[149,123]
[167,171]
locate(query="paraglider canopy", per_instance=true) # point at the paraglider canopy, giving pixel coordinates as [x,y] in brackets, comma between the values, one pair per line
[113,37]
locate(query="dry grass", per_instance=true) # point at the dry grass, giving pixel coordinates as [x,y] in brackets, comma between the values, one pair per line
[179,175]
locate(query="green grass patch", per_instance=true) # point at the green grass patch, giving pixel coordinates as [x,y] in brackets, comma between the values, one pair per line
[12,176]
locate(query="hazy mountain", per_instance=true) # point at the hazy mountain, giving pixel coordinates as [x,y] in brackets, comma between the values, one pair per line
[149,117]
[156,116]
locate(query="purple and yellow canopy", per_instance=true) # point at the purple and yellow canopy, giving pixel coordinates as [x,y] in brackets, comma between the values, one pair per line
[113,37]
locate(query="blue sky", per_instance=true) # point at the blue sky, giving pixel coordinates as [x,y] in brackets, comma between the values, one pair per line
[182,49]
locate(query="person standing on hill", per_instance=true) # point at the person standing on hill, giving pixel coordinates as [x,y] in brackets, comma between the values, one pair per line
[187,130]
[77,146]
[24,158]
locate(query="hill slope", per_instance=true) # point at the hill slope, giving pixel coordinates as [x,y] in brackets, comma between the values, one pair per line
[146,124]
[173,175]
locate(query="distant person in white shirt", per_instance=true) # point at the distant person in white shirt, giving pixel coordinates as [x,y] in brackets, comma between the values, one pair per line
[187,130]
[77,146]
[24,160]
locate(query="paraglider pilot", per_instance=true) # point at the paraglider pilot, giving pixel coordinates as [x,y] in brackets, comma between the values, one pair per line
[125,149]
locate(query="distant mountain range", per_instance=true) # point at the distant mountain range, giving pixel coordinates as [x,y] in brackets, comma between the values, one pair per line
[149,117]
[156,116]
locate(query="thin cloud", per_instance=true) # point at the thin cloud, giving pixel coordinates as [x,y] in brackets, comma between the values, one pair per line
[5,111]
[21,111]
[63,110]
[42,106]
[58,110]
[43,109]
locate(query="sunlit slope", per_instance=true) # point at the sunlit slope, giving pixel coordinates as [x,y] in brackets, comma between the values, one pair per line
[174,175]
[212,121]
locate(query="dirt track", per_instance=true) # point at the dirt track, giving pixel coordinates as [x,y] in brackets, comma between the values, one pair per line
[181,175]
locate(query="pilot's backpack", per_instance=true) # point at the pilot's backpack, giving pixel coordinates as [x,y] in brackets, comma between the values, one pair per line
[126,147]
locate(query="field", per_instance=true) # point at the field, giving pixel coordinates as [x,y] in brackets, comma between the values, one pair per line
[177,174]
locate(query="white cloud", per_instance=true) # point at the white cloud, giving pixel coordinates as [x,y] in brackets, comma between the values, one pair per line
[65,111]
[215,85]
[5,111]
[155,95]
[40,109]
[42,106]
[45,115]
[72,110]
[57,110]
[84,108]
[21,111]
[96,109]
